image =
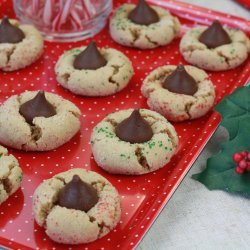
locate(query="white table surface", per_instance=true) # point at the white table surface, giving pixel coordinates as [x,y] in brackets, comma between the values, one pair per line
[196,218]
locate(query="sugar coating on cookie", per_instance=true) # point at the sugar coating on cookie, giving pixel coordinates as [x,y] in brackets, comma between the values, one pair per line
[224,57]
[178,107]
[121,157]
[11,175]
[45,133]
[14,56]
[107,80]
[127,33]
[70,226]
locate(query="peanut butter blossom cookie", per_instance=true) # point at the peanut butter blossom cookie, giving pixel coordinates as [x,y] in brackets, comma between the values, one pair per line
[20,45]
[179,93]
[10,175]
[77,206]
[143,26]
[133,142]
[38,121]
[90,71]
[215,47]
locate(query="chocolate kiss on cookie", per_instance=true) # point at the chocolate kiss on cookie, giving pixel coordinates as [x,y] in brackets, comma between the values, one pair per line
[143,14]
[215,36]
[180,82]
[90,58]
[134,129]
[77,195]
[37,107]
[10,33]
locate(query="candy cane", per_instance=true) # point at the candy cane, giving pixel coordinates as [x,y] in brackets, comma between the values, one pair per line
[76,18]
[35,6]
[90,8]
[58,12]
[85,9]
[55,23]
[62,14]
[25,3]
[61,4]
[47,12]
[66,10]
[74,24]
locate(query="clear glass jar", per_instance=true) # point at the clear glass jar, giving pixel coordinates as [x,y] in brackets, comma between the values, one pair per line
[64,20]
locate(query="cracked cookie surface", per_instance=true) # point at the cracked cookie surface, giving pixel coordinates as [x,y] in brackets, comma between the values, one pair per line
[45,133]
[224,57]
[178,107]
[127,33]
[70,226]
[120,157]
[14,56]
[107,80]
[10,174]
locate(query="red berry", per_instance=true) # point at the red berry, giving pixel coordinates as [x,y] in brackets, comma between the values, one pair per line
[248,167]
[243,164]
[239,170]
[237,157]
[248,156]
[244,153]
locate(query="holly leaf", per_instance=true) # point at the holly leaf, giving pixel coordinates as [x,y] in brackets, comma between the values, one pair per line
[234,108]
[220,172]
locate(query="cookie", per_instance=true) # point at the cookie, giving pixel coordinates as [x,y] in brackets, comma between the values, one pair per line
[19,52]
[70,225]
[110,71]
[128,33]
[117,156]
[176,106]
[10,175]
[224,57]
[40,133]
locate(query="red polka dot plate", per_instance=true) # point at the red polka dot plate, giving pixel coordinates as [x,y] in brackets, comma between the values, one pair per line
[142,197]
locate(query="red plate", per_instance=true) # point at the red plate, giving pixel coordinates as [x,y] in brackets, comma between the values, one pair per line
[246,3]
[142,197]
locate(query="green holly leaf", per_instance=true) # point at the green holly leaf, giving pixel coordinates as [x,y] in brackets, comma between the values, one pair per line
[220,171]
[234,108]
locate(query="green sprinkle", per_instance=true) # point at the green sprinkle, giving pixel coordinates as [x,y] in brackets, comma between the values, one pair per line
[151,144]
[232,51]
[19,178]
[75,51]
[222,59]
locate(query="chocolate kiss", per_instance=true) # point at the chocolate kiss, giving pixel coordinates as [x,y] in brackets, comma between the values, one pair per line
[214,36]
[134,129]
[143,14]
[37,107]
[90,58]
[77,195]
[10,33]
[179,81]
